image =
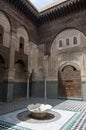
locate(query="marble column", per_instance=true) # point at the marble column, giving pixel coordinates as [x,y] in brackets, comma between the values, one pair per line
[28,75]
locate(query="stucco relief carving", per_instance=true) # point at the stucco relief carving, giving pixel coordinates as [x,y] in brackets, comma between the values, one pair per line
[34,55]
[68,59]
[34,52]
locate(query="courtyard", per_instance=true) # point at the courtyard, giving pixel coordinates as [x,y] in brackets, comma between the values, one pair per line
[69,115]
[43,60]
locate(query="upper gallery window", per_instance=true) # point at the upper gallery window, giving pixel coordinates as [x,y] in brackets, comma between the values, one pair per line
[1,34]
[67,42]
[60,43]
[21,43]
[74,40]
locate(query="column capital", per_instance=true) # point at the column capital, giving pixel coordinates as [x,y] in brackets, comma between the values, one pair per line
[11,74]
[28,74]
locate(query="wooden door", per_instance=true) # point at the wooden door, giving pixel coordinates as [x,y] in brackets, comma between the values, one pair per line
[69,83]
[69,88]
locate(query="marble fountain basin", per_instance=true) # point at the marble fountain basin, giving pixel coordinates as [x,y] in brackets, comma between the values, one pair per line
[38,110]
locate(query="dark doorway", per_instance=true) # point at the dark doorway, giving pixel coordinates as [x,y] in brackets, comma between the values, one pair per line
[20,85]
[2,75]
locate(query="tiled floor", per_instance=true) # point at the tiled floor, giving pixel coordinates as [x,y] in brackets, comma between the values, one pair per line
[54,125]
[71,105]
[73,117]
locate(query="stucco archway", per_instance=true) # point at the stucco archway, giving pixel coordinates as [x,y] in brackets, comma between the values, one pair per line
[64,53]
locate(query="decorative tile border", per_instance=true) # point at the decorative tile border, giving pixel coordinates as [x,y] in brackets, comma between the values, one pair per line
[5,125]
[71,122]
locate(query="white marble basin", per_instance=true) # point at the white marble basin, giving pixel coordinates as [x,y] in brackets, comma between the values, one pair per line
[39,110]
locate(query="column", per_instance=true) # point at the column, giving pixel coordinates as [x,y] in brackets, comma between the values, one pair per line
[28,75]
[45,68]
[11,70]
[28,69]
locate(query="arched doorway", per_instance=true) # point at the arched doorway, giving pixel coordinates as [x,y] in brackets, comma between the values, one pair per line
[69,82]
[20,86]
[2,75]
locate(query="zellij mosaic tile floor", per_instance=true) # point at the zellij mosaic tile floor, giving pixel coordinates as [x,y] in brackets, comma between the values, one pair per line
[72,117]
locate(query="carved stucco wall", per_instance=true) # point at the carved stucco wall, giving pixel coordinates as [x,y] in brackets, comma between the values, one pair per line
[68,34]
[34,59]
[70,59]
[4,22]
[67,55]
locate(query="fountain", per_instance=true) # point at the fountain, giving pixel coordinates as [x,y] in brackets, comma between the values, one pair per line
[39,111]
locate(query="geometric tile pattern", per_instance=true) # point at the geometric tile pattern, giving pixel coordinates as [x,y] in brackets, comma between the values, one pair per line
[78,106]
[80,123]
[19,125]
[77,122]
[72,106]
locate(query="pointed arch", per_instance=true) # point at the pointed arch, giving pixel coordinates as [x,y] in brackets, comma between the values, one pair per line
[67,28]
[6,24]
[63,36]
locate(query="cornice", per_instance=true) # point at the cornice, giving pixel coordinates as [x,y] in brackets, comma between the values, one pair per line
[39,18]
